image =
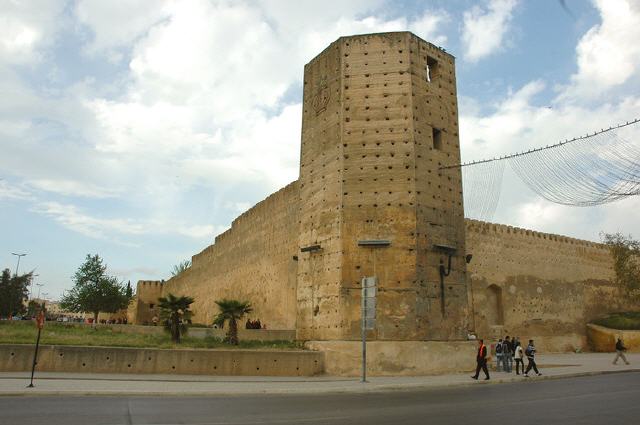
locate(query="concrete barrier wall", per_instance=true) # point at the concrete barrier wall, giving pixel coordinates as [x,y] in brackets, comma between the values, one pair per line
[52,358]
[603,339]
[397,358]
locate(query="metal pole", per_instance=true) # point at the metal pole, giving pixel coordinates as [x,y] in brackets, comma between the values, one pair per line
[40,319]
[18,265]
[364,332]
[33,278]
[35,357]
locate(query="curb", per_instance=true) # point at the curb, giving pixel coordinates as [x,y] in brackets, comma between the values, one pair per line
[381,388]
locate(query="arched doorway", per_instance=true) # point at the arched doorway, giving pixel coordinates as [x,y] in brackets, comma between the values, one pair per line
[495,313]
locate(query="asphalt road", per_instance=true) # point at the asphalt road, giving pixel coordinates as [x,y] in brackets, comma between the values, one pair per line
[603,399]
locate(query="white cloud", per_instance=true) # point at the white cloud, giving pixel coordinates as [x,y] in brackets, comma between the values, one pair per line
[10,191]
[502,132]
[26,27]
[73,188]
[608,55]
[620,217]
[484,29]
[429,27]
[206,83]
[116,24]
[73,218]
[538,214]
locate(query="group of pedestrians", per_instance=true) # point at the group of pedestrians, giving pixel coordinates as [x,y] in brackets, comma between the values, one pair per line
[507,351]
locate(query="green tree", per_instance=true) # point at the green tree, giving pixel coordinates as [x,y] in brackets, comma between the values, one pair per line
[232,310]
[129,290]
[33,307]
[14,291]
[180,267]
[626,261]
[175,314]
[94,291]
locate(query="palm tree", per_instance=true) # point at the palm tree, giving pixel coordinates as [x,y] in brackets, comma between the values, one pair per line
[180,267]
[175,314]
[233,311]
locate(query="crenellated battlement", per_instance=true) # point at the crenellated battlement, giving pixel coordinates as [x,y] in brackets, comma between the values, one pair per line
[259,211]
[150,282]
[479,226]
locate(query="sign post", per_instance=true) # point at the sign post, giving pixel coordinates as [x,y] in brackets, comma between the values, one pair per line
[369,287]
[40,319]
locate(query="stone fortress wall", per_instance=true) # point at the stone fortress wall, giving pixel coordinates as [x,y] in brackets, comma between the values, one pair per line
[253,260]
[538,285]
[379,119]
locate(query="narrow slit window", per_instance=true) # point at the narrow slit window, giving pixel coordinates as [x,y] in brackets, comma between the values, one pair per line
[437,139]
[432,68]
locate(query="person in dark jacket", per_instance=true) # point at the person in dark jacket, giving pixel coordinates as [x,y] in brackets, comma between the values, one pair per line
[507,353]
[530,352]
[620,349]
[499,359]
[481,359]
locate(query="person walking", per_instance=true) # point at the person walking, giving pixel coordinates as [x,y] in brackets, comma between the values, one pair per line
[499,358]
[481,359]
[530,352]
[518,354]
[620,349]
[507,352]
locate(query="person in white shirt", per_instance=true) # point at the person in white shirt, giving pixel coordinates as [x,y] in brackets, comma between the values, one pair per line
[518,355]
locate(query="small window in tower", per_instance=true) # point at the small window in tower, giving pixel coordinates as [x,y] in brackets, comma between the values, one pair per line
[151,306]
[437,138]
[432,68]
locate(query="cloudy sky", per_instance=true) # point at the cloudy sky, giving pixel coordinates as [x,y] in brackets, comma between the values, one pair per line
[138,129]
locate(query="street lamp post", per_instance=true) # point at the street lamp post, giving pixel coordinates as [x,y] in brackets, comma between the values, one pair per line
[33,278]
[39,285]
[18,255]
[17,266]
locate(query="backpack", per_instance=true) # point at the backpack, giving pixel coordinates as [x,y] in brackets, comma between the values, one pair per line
[499,348]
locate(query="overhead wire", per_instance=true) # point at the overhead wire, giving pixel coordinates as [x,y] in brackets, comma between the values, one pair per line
[594,169]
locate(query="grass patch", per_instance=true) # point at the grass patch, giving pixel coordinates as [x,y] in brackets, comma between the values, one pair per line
[25,332]
[629,321]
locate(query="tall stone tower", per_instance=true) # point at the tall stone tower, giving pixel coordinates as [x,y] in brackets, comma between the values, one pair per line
[380,118]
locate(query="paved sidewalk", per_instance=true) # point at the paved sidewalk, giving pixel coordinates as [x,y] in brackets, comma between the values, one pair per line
[553,366]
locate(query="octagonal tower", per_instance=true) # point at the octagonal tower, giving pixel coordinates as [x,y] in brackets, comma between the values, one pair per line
[379,119]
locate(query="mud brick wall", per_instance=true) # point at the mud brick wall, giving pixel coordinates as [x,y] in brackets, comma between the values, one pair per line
[539,285]
[251,261]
